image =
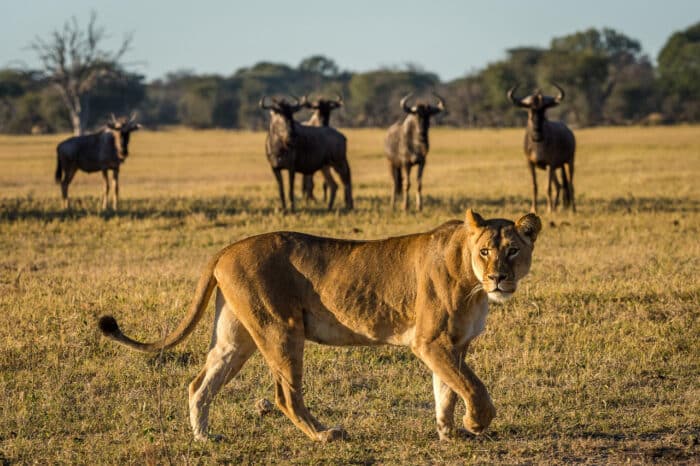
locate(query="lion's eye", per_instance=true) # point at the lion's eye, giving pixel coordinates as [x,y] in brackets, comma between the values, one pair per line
[484,252]
[512,252]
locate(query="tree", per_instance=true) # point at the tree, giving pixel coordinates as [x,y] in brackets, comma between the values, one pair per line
[265,78]
[319,64]
[375,96]
[679,74]
[590,64]
[74,61]
[26,104]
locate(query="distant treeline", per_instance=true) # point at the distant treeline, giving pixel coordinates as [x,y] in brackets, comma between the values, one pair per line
[607,77]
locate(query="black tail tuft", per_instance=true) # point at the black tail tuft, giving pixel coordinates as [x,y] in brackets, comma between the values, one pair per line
[57,176]
[108,326]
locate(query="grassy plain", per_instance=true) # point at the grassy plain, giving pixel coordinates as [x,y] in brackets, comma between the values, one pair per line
[596,359]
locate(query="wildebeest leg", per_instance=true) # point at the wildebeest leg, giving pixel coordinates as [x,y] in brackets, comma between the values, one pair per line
[533,208]
[280,186]
[105,193]
[569,170]
[565,185]
[406,174]
[115,199]
[230,348]
[419,186]
[557,187]
[308,188]
[343,170]
[552,179]
[396,179]
[445,401]
[68,174]
[329,182]
[291,189]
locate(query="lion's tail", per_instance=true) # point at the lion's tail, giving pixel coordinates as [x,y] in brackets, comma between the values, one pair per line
[207,282]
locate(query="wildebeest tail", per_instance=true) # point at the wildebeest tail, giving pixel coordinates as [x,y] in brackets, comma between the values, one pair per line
[57,175]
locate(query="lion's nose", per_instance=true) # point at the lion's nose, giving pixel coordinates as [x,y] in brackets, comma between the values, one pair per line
[497,277]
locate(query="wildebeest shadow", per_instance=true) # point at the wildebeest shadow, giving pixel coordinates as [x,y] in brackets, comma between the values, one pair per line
[458,204]
[138,209]
[48,209]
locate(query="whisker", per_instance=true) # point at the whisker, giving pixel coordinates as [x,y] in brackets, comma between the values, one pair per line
[478,287]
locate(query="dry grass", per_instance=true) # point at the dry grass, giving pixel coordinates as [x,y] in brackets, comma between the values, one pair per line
[596,360]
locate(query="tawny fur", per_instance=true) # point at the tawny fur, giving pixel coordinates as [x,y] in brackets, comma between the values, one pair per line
[428,291]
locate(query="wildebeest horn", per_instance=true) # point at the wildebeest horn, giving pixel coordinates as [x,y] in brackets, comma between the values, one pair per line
[404,101]
[441,101]
[338,100]
[132,117]
[113,119]
[309,103]
[515,100]
[262,103]
[298,105]
[561,94]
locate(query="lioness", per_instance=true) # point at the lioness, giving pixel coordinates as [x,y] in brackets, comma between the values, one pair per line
[428,291]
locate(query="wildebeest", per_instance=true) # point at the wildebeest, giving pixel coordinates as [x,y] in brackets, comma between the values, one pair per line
[322,110]
[295,147]
[407,145]
[321,117]
[548,145]
[102,151]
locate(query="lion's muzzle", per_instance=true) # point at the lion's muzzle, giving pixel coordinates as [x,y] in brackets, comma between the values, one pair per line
[499,287]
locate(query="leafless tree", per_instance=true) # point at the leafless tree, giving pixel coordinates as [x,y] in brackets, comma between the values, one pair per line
[74,61]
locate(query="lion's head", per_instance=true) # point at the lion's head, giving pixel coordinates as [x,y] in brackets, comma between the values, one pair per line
[501,251]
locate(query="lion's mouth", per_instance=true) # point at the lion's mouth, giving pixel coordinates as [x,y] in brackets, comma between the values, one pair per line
[498,296]
[500,292]
[501,287]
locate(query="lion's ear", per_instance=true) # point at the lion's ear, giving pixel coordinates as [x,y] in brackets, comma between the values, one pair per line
[474,221]
[529,226]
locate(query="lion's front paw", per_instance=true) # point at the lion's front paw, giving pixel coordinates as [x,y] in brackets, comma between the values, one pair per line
[445,433]
[333,434]
[478,418]
[202,437]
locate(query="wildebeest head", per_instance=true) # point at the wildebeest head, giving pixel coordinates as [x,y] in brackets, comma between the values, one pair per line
[282,131]
[324,107]
[536,105]
[282,107]
[423,111]
[121,129]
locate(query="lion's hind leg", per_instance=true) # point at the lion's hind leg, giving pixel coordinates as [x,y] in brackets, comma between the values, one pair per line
[231,347]
[283,350]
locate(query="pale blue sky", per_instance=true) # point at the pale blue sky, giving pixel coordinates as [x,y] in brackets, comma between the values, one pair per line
[450,38]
